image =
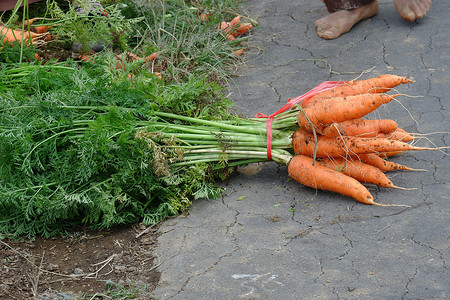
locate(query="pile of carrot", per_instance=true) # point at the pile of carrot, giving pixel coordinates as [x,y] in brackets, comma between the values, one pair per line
[17,35]
[234,29]
[325,140]
[29,34]
[337,150]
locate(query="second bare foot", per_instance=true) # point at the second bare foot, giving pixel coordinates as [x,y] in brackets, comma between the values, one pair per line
[410,10]
[340,22]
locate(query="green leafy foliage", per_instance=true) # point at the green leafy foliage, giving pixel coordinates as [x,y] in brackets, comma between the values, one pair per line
[69,155]
[80,142]
[11,52]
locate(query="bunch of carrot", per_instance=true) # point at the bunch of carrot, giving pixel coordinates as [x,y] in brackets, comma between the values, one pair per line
[32,35]
[17,35]
[336,150]
[234,29]
[324,140]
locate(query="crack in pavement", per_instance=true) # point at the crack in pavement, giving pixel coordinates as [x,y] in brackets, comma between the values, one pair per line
[347,239]
[409,282]
[302,233]
[215,263]
[202,273]
[429,47]
[321,273]
[440,254]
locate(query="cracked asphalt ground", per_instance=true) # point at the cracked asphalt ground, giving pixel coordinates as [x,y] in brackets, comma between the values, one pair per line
[271,238]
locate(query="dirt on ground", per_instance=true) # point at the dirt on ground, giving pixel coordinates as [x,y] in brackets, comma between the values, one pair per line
[108,264]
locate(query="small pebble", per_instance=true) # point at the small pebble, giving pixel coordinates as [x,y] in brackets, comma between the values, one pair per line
[64,295]
[78,271]
[52,267]
[120,268]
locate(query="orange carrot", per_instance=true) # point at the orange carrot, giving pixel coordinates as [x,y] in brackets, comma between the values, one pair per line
[340,109]
[10,35]
[236,20]
[382,164]
[359,170]
[230,37]
[242,29]
[89,58]
[360,127]
[317,176]
[224,26]
[304,144]
[133,57]
[151,57]
[42,29]
[130,56]
[205,17]
[228,27]
[30,21]
[380,84]
[397,135]
[387,154]
[238,52]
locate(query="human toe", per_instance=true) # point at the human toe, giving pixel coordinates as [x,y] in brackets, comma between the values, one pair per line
[411,10]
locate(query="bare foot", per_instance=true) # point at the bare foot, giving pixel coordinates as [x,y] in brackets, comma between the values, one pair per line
[410,10]
[340,22]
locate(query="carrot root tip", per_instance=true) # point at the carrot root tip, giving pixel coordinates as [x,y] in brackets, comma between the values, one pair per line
[391,205]
[403,188]
[417,170]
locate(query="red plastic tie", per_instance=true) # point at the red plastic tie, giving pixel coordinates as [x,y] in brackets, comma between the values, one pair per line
[324,86]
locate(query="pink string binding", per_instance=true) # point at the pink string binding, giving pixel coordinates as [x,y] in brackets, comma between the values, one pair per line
[324,86]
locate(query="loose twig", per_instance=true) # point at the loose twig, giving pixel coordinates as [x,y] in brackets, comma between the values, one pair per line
[145,231]
[105,263]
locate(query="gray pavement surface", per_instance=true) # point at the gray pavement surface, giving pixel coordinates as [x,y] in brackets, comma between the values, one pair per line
[286,241]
